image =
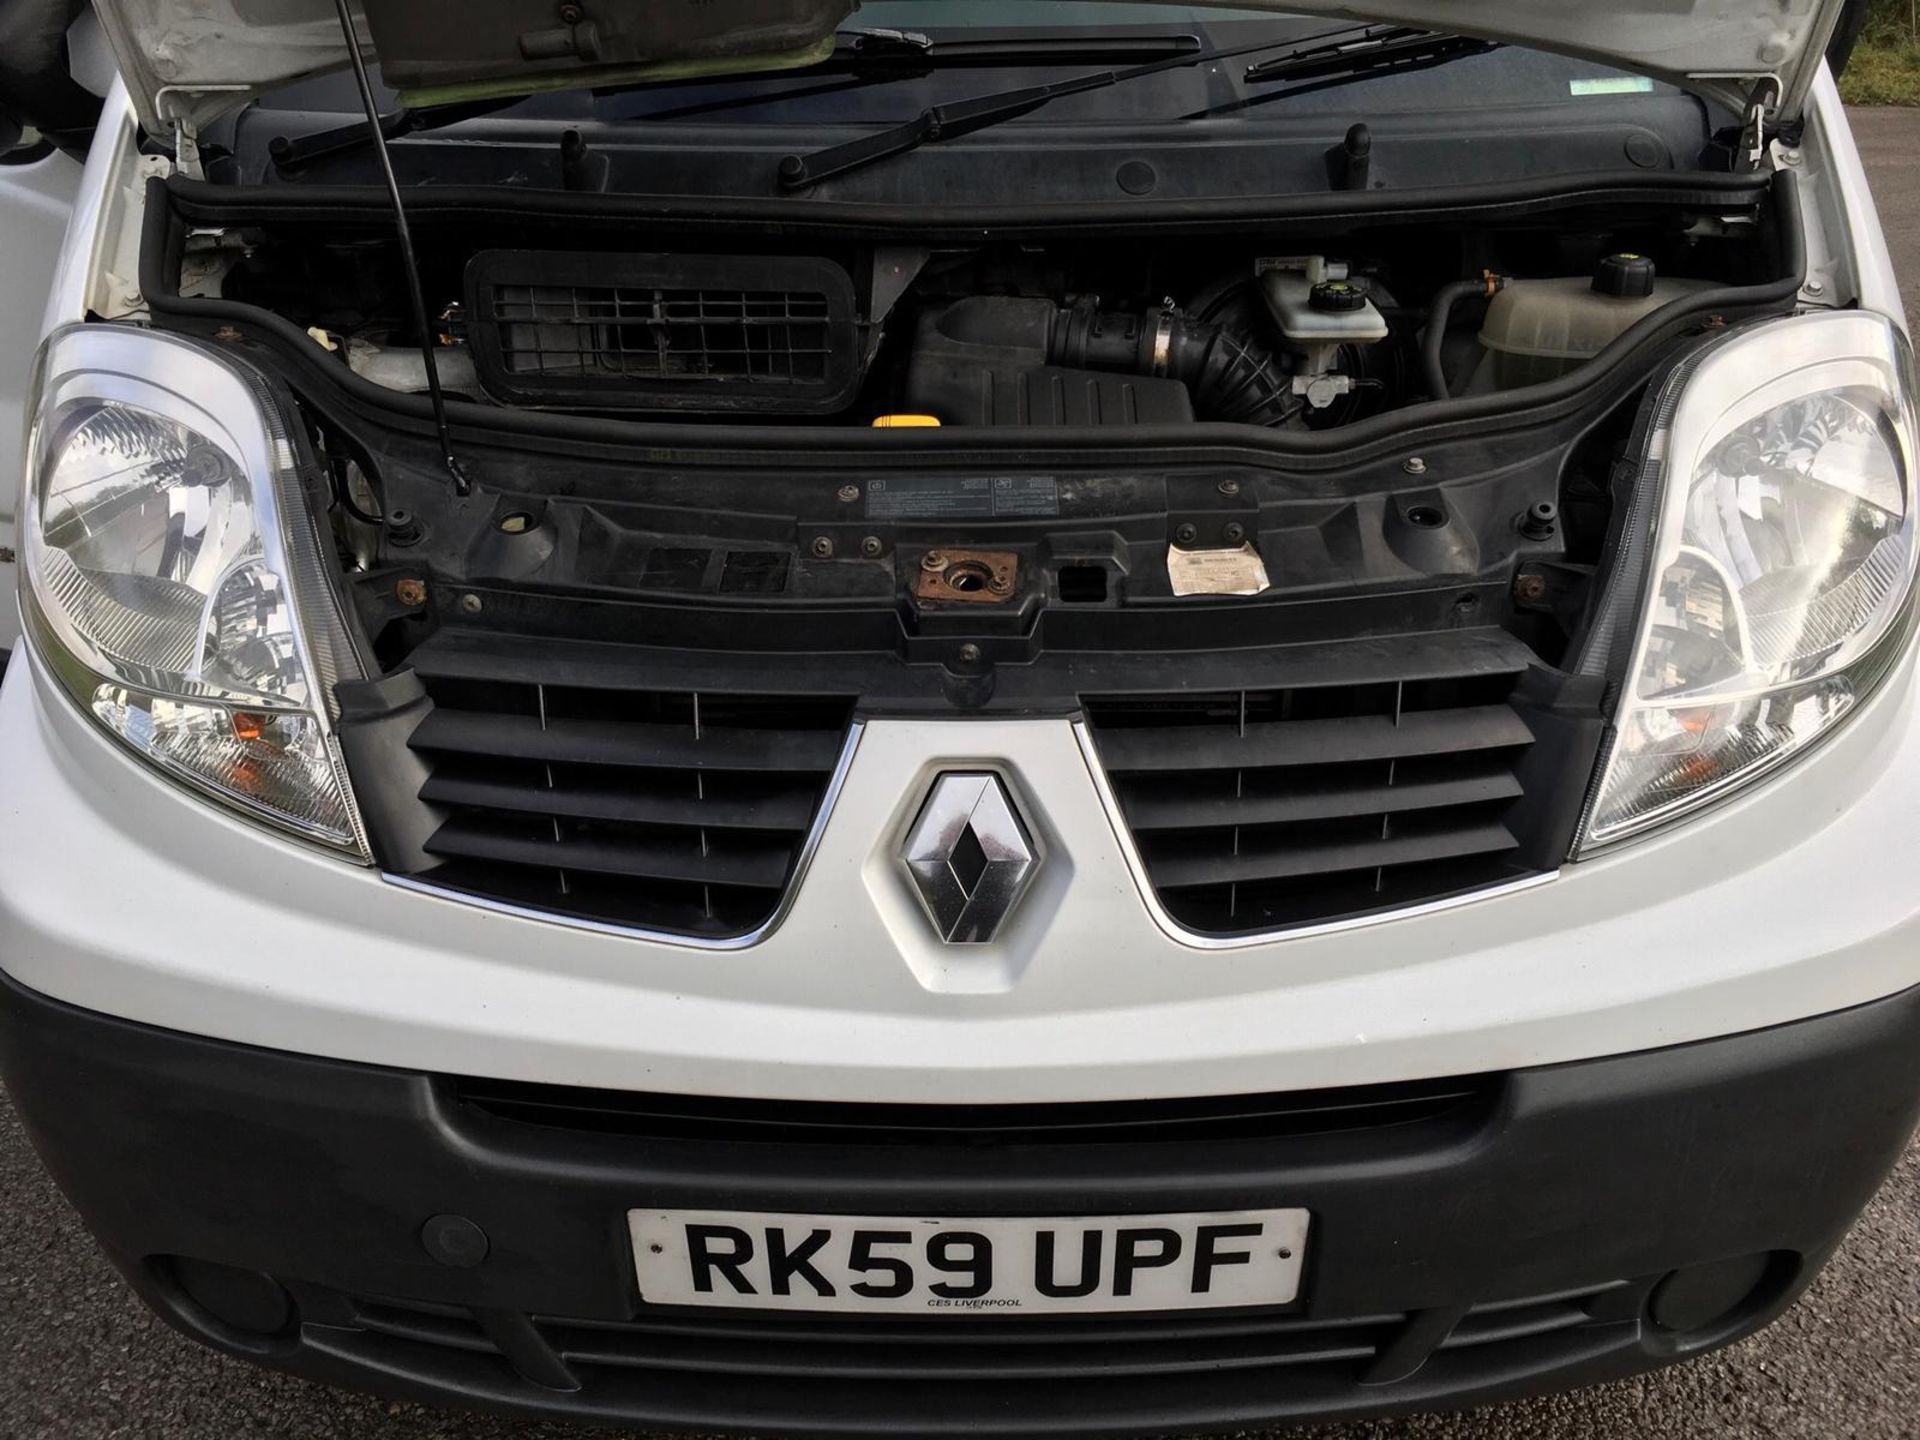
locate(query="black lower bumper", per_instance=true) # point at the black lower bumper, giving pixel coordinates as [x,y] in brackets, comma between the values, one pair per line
[464,1242]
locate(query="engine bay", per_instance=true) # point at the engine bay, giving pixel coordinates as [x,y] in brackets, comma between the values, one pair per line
[991,469]
[1047,332]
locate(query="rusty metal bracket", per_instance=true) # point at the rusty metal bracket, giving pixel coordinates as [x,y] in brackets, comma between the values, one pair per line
[968,577]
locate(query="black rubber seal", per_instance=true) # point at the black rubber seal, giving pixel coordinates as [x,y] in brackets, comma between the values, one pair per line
[206,202]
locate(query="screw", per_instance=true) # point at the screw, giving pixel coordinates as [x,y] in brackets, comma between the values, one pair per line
[999,582]
[969,654]
[849,492]
[516,523]
[411,592]
[822,547]
[1414,465]
[871,547]
[1814,287]
[1792,157]
[571,14]
[933,562]
[1529,588]
[470,603]
[1183,534]
[1235,532]
[1229,487]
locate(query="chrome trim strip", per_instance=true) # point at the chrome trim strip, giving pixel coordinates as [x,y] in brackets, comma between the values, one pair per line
[665,937]
[1199,941]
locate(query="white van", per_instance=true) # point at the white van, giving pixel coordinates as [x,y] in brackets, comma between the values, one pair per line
[961,718]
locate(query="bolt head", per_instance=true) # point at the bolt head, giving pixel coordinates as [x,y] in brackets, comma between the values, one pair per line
[411,592]
[933,562]
[1229,487]
[470,603]
[1235,532]
[1815,287]
[822,547]
[1529,587]
[1414,465]
[969,654]
[871,547]
[849,492]
[1185,534]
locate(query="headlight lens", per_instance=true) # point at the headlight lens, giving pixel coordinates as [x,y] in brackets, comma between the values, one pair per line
[162,564]
[1782,561]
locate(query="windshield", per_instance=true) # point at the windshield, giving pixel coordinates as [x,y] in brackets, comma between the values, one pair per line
[1186,75]
[1505,77]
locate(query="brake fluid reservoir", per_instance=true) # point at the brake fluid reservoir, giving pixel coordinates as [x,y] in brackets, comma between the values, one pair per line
[1319,313]
[1538,329]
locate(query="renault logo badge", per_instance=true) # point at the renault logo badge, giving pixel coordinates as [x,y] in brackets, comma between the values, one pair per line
[969,857]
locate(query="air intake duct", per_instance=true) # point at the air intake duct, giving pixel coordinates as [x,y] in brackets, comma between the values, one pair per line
[992,359]
[1229,375]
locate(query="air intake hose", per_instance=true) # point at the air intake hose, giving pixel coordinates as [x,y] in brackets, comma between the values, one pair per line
[1229,374]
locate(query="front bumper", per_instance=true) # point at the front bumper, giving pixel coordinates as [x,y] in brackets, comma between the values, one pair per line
[1471,1241]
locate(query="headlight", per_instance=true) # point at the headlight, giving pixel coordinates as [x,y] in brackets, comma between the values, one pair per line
[167,556]
[1781,561]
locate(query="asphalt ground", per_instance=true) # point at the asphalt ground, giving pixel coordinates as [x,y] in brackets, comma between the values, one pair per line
[80,1359]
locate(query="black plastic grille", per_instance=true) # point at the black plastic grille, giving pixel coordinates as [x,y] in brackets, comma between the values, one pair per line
[1254,810]
[657,333]
[1321,1359]
[664,332]
[980,1128]
[678,812]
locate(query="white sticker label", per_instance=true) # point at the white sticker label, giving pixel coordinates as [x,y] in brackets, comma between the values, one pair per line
[1611,85]
[1238,571]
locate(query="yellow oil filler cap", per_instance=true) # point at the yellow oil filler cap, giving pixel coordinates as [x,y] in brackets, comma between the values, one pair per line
[906,422]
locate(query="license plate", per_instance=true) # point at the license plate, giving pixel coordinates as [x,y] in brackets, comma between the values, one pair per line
[878,1263]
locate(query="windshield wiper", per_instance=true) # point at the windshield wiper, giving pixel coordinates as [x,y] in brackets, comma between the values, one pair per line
[964,117]
[291,153]
[884,57]
[864,56]
[873,41]
[1391,50]
[865,48]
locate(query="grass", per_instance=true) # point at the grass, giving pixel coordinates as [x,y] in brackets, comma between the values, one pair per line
[1885,68]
